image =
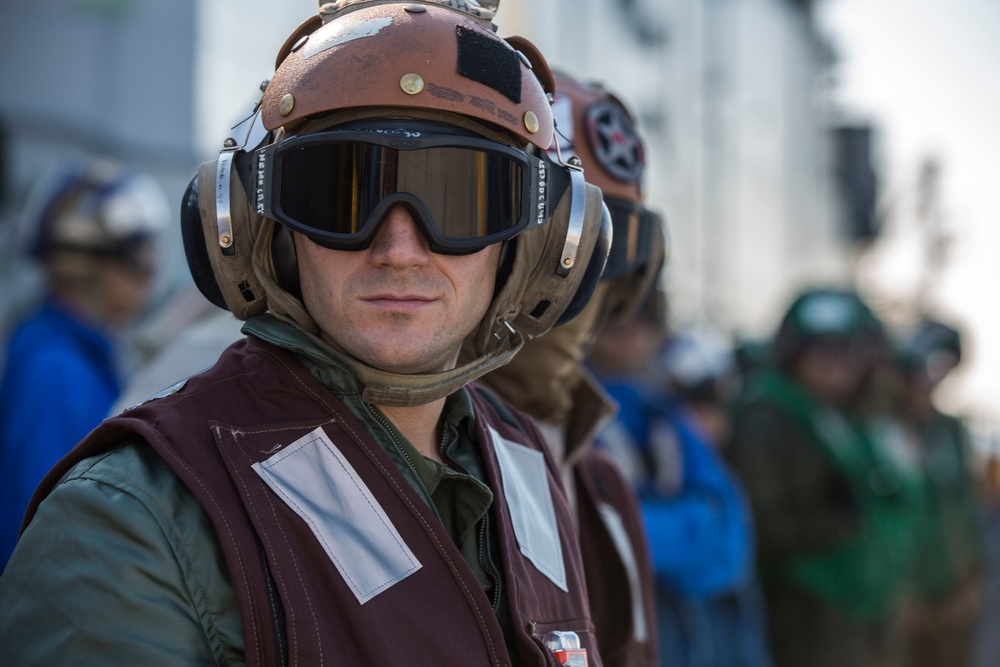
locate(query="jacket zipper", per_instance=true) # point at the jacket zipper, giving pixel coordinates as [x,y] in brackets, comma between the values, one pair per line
[483,551]
[487,564]
[384,423]
[277,610]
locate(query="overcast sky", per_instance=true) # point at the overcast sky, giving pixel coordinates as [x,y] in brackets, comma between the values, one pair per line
[925,72]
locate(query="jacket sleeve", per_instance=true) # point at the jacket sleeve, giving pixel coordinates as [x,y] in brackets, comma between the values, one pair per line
[41,422]
[119,567]
[701,538]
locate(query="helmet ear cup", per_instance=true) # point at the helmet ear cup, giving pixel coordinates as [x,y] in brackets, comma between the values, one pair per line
[195,248]
[595,267]
[227,279]
[551,288]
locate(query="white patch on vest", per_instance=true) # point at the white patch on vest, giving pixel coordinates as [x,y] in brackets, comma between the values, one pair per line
[314,479]
[526,487]
[623,545]
[336,33]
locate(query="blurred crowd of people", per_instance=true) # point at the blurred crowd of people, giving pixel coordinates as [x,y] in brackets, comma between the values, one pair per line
[806,502]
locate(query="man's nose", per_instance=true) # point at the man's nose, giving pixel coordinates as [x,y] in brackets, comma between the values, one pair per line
[399,240]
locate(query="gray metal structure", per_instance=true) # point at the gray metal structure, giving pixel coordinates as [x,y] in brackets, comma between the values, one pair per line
[731,96]
[153,84]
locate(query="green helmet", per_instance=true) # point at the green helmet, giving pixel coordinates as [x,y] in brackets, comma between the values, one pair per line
[821,316]
[932,347]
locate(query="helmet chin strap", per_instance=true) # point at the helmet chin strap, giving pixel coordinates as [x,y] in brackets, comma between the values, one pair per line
[390,389]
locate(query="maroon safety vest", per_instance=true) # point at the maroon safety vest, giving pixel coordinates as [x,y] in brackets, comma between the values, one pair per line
[613,542]
[617,563]
[256,402]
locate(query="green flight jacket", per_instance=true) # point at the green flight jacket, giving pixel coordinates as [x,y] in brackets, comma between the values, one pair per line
[951,549]
[834,516]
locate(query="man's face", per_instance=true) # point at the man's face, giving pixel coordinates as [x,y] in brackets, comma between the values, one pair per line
[627,347]
[397,306]
[125,290]
[832,370]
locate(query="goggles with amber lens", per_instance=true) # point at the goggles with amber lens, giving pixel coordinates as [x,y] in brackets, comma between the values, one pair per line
[465,191]
[634,226]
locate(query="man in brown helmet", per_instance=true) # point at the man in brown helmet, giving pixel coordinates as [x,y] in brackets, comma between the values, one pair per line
[549,381]
[331,491]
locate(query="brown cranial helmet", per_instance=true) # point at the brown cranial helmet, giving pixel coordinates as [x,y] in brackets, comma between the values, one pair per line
[596,126]
[379,69]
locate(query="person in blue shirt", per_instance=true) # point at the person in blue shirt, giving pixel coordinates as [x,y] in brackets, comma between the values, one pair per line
[670,389]
[93,237]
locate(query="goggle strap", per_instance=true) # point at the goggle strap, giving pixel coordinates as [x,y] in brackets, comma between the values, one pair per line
[574,231]
[223,210]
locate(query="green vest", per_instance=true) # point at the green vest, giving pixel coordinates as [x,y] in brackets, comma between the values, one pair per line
[864,575]
[951,548]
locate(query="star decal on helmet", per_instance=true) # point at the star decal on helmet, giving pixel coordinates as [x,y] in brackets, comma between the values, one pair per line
[614,141]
